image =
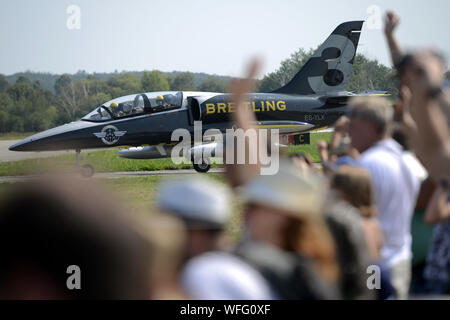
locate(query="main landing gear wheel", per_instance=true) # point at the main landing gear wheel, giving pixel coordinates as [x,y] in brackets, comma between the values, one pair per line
[203,166]
[86,170]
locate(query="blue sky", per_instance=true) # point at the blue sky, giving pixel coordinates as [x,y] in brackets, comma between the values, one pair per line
[212,36]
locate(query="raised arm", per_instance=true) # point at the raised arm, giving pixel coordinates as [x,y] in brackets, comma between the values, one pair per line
[390,24]
[429,106]
[243,117]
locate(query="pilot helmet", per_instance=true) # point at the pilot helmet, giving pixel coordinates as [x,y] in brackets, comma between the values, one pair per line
[159,100]
[113,105]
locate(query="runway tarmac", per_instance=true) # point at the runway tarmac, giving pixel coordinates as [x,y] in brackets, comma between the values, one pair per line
[112,175]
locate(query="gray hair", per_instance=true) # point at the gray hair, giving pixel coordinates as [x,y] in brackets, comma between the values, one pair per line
[376,110]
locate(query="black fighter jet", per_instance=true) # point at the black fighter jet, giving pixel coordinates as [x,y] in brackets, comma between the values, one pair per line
[314,98]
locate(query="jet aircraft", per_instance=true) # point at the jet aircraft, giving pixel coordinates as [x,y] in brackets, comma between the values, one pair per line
[315,98]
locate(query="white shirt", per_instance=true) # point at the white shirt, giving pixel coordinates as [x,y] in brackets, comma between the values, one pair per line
[223,276]
[416,166]
[396,187]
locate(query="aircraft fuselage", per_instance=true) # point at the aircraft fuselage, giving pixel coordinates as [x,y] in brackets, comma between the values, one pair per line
[213,110]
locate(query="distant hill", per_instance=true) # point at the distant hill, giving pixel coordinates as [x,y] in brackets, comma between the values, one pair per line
[48,80]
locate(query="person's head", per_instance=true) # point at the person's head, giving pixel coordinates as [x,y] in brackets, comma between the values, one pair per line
[286,210]
[160,100]
[113,106]
[370,121]
[353,185]
[418,63]
[203,205]
[50,225]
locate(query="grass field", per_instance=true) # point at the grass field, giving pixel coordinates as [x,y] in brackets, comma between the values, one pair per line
[311,149]
[108,161]
[15,135]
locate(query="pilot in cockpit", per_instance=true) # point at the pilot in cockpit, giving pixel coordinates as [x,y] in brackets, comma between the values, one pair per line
[161,104]
[160,101]
[114,107]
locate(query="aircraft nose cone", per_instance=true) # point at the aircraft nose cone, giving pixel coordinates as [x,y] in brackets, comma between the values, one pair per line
[21,145]
[63,137]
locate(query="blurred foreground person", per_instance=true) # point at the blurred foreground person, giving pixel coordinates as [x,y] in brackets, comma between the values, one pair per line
[353,186]
[427,116]
[209,272]
[395,185]
[168,236]
[47,226]
[437,269]
[203,205]
[286,237]
[340,150]
[244,118]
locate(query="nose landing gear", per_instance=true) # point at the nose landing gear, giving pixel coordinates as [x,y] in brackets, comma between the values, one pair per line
[202,166]
[86,170]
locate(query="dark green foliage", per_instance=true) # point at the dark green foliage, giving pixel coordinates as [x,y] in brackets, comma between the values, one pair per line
[26,107]
[371,75]
[154,81]
[183,81]
[288,68]
[4,84]
[213,84]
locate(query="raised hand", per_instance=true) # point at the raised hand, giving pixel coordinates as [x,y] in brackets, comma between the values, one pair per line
[244,117]
[239,174]
[391,22]
[341,125]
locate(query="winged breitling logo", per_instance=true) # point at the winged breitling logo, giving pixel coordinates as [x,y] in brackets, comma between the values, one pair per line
[110,135]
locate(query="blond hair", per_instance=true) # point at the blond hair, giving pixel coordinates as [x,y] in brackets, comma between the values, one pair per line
[312,238]
[355,185]
[376,110]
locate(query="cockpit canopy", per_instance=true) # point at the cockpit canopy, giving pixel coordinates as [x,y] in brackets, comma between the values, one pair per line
[136,104]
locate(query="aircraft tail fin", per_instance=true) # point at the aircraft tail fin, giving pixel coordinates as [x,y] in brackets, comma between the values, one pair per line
[329,69]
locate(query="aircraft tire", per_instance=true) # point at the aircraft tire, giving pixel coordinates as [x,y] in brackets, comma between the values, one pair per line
[202,167]
[87,170]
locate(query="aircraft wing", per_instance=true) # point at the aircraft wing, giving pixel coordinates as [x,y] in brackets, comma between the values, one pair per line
[343,99]
[285,127]
[163,151]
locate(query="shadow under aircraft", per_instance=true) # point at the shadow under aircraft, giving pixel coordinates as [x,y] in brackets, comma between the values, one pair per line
[315,98]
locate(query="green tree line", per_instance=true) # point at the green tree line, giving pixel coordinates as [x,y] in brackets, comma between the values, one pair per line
[26,106]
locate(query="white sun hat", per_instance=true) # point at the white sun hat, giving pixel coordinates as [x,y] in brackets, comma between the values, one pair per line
[291,190]
[196,200]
